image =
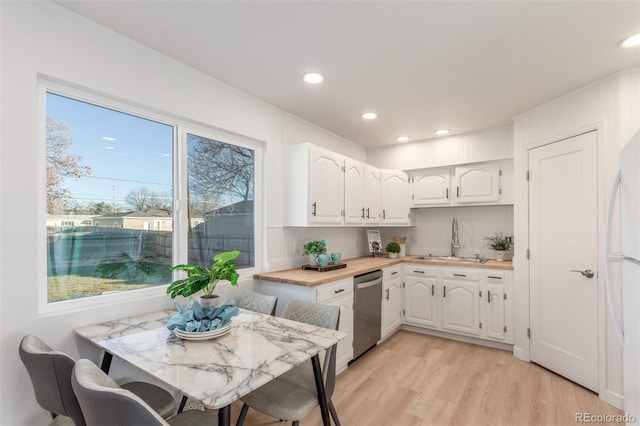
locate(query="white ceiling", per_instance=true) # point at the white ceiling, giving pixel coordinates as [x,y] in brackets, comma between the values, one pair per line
[422,65]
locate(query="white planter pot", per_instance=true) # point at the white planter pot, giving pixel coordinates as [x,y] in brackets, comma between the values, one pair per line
[499,256]
[393,255]
[313,260]
[212,300]
[403,250]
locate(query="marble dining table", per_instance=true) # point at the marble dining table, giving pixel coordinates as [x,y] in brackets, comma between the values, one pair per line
[216,372]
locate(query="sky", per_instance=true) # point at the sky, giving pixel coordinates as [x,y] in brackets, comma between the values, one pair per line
[124,152]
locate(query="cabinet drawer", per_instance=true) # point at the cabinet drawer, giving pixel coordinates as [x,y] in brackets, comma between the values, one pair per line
[333,290]
[461,274]
[391,272]
[420,270]
[495,276]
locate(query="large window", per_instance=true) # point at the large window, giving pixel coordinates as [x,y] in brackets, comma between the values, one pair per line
[110,186]
[221,198]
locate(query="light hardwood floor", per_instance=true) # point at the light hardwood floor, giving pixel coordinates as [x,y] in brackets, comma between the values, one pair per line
[414,379]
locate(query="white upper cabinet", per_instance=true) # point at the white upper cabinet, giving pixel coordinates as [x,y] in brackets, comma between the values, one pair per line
[322,188]
[395,197]
[313,186]
[354,192]
[477,183]
[481,183]
[431,187]
[361,193]
[371,195]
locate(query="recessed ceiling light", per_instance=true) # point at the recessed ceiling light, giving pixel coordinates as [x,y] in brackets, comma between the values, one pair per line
[369,115]
[108,138]
[403,138]
[313,77]
[632,41]
[442,132]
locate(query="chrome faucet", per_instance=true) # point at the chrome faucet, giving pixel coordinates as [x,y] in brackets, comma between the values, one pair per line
[455,241]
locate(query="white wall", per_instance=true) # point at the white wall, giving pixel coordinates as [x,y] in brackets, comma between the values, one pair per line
[42,38]
[612,106]
[476,147]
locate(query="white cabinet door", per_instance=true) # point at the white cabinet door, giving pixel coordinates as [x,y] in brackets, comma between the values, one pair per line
[421,305]
[371,195]
[461,306]
[431,187]
[354,194]
[326,187]
[391,306]
[395,197]
[477,183]
[494,314]
[345,346]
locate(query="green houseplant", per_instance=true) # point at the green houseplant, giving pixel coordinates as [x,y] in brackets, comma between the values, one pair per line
[313,249]
[393,249]
[203,278]
[500,244]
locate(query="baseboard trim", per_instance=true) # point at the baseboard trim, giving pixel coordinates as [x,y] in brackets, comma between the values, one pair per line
[459,338]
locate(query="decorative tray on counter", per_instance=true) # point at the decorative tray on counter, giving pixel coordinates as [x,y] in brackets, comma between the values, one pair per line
[325,268]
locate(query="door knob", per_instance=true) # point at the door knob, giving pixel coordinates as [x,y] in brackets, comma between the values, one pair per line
[586,273]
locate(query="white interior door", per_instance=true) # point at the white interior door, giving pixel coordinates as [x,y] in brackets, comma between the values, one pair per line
[563,238]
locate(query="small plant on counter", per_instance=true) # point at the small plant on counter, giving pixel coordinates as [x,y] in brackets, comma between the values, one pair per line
[315,247]
[393,249]
[498,243]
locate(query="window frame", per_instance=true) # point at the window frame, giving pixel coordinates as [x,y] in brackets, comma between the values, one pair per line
[181,126]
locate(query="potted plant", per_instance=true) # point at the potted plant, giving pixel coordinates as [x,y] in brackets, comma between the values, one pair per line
[393,249]
[500,244]
[205,279]
[313,249]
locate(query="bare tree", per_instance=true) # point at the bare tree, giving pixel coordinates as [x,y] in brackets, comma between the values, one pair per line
[60,163]
[143,199]
[219,172]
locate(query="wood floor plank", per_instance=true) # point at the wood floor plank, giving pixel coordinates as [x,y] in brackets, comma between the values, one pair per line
[413,379]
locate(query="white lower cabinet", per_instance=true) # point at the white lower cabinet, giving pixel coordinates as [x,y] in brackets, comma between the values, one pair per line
[391,300]
[461,301]
[421,299]
[336,293]
[473,302]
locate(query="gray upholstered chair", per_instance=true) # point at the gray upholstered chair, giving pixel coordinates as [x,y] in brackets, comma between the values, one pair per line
[50,373]
[257,302]
[104,402]
[293,395]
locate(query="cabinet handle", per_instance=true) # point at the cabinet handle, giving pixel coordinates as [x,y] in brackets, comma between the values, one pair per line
[419,272]
[384,214]
[394,273]
[433,289]
[458,191]
[488,296]
[367,213]
[459,275]
[387,294]
[495,278]
[447,193]
[444,291]
[363,212]
[338,291]
[314,205]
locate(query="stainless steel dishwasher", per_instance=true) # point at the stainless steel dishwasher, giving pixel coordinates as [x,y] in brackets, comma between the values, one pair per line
[367,313]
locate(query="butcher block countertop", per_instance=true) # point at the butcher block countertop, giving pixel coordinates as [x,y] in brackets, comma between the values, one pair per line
[361,265]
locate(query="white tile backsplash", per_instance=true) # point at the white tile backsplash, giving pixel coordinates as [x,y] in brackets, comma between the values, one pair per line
[432,230]
[431,234]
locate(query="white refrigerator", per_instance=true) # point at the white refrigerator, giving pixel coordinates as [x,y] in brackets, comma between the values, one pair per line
[627,322]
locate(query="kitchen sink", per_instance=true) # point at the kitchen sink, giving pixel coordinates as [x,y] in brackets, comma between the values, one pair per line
[454,259]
